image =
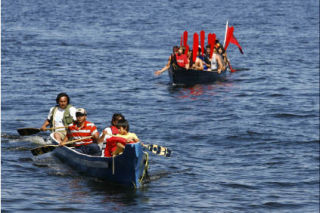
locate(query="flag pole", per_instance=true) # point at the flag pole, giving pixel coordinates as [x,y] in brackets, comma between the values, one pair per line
[225,34]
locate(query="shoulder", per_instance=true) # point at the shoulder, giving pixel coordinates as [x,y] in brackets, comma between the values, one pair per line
[132,134]
[72,108]
[89,123]
[72,125]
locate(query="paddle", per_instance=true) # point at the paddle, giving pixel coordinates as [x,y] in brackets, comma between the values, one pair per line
[155,149]
[32,131]
[158,150]
[48,148]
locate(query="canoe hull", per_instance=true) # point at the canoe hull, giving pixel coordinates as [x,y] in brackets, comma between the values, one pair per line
[181,76]
[126,169]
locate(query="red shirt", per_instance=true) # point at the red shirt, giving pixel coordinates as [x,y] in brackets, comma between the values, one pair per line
[88,129]
[182,60]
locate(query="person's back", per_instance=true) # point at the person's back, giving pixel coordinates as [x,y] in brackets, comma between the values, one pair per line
[217,62]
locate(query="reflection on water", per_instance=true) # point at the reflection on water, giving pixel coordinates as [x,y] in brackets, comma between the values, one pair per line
[199,90]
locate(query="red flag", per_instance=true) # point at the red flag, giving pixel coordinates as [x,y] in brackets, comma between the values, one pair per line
[231,38]
[202,38]
[195,46]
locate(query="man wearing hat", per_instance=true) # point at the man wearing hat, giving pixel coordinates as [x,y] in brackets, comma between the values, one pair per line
[83,128]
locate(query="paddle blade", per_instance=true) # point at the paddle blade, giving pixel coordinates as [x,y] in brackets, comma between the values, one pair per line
[195,46]
[43,149]
[28,131]
[202,40]
[185,38]
[159,150]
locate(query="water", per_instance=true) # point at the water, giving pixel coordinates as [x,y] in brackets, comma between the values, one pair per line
[250,144]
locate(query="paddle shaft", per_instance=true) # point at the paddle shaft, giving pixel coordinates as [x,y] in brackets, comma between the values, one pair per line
[53,128]
[49,148]
[155,149]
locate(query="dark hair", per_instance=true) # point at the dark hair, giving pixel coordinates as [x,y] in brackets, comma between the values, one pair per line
[117,117]
[60,95]
[175,49]
[123,123]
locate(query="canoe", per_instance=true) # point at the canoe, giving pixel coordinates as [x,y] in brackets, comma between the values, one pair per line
[182,76]
[128,169]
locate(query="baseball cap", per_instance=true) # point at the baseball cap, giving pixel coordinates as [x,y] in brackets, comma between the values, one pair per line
[81,111]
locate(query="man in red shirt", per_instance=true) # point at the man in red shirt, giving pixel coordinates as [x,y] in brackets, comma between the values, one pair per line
[182,59]
[83,128]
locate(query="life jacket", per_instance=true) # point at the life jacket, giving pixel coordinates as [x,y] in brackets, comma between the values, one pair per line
[67,118]
[114,130]
[112,145]
[182,60]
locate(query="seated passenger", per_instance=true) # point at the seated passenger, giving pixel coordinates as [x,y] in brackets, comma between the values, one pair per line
[116,144]
[198,64]
[221,51]
[109,131]
[182,59]
[217,62]
[83,128]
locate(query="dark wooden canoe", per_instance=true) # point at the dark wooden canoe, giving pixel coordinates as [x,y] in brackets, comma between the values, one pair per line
[181,76]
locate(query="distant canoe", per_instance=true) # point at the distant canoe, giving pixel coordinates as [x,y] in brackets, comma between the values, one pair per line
[128,168]
[181,76]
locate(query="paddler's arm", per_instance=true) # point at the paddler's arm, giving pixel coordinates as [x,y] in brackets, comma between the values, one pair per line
[44,125]
[159,72]
[103,135]
[64,140]
[95,137]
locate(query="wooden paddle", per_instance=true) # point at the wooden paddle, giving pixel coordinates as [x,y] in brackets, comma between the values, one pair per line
[32,131]
[48,148]
[155,149]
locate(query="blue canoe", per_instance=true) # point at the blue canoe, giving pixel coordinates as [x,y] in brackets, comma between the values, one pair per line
[182,76]
[129,168]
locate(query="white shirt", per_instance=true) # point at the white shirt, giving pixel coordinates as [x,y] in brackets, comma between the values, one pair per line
[107,136]
[214,63]
[58,116]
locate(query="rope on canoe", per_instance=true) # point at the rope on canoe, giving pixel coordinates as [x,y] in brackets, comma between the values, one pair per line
[146,167]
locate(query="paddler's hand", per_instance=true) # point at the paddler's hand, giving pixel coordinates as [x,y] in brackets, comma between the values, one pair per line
[43,128]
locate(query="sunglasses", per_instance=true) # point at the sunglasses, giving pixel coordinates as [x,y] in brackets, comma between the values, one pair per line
[80,114]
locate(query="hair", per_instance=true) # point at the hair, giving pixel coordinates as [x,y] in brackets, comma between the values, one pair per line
[175,49]
[60,95]
[123,123]
[117,117]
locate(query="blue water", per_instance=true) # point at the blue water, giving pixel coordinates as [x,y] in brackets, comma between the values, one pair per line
[249,144]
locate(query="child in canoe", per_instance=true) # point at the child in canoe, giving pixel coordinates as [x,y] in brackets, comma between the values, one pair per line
[117,143]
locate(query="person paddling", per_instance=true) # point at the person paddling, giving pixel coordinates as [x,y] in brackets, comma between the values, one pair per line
[171,57]
[80,129]
[59,116]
